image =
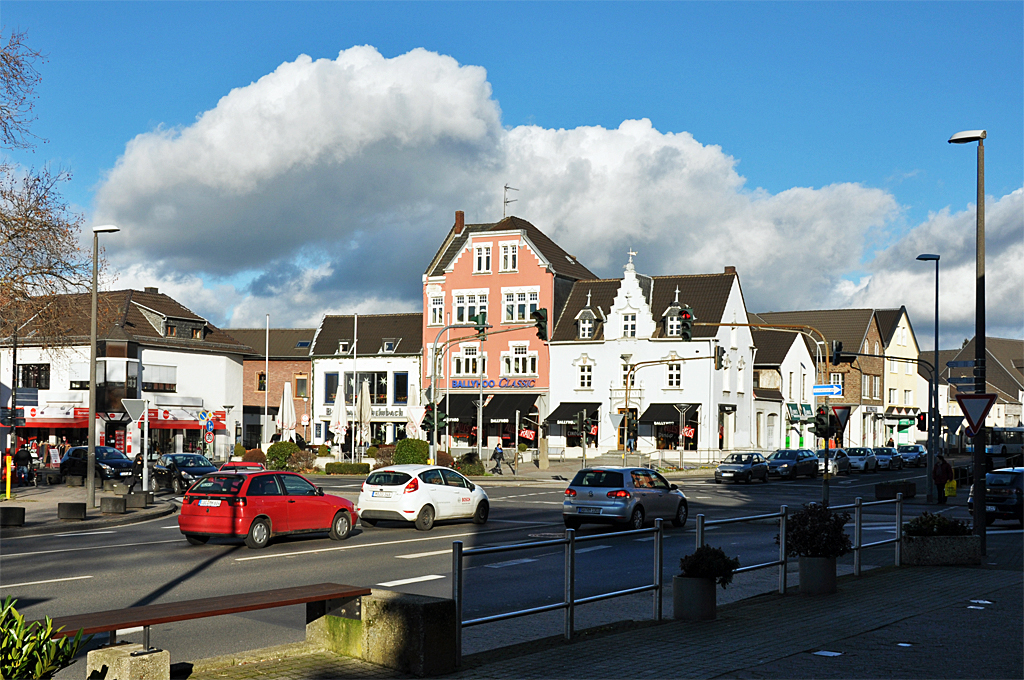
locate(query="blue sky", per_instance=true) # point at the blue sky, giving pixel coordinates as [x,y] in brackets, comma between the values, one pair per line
[798,95]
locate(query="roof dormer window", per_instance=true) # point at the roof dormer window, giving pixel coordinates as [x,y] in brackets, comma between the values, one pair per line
[389,346]
[172,331]
[586,327]
[342,346]
[673,326]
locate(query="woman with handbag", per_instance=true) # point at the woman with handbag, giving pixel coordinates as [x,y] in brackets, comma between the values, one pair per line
[941,473]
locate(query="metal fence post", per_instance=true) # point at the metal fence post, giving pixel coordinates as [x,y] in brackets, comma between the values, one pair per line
[899,528]
[457,596]
[657,568]
[783,557]
[700,530]
[857,524]
[570,582]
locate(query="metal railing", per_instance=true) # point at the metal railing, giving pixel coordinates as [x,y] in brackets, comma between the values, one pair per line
[569,601]
[858,505]
[780,563]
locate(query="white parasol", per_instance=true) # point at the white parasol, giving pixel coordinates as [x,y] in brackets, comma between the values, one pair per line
[286,414]
[363,409]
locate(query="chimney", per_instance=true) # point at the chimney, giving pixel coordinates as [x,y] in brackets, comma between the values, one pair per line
[152,289]
[730,270]
[460,222]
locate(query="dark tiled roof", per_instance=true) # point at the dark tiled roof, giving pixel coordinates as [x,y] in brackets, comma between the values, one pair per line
[373,330]
[284,342]
[602,296]
[888,321]
[1004,357]
[707,294]
[772,346]
[848,326]
[563,264]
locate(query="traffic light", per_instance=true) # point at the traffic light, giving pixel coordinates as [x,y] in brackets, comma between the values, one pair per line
[837,350]
[686,317]
[581,423]
[480,321]
[541,317]
[5,416]
[427,424]
[719,358]
[922,421]
[441,419]
[821,423]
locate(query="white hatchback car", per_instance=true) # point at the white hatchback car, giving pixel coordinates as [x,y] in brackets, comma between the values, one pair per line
[420,494]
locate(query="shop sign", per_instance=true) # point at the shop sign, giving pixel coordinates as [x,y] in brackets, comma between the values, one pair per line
[490,384]
[688,432]
[387,413]
[527,434]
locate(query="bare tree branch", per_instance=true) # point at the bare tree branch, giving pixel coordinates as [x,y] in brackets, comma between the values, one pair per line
[18,80]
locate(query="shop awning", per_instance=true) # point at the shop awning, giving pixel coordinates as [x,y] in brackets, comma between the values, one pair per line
[666,414]
[566,412]
[461,408]
[56,423]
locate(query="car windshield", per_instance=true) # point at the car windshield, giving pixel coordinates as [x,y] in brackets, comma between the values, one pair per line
[219,484]
[739,459]
[190,460]
[858,452]
[108,453]
[388,478]
[882,452]
[908,448]
[1000,478]
[783,454]
[600,478]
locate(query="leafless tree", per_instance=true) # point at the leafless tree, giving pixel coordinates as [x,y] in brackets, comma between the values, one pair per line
[18,80]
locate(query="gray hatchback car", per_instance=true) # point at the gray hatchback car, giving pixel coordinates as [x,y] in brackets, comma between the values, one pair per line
[623,496]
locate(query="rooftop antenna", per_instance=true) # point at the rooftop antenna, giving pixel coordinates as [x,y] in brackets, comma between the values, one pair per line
[506,200]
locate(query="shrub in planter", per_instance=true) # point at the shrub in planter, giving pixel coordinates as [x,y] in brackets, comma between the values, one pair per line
[371,452]
[323,451]
[816,531]
[934,540]
[936,525]
[385,455]
[303,459]
[693,591]
[711,563]
[239,450]
[280,453]
[27,650]
[444,458]
[412,452]
[522,447]
[255,456]
[347,468]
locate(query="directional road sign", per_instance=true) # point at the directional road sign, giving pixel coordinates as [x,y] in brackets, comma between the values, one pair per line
[960,364]
[829,390]
[975,408]
[209,425]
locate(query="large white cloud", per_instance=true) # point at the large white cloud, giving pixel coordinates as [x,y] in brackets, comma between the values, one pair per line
[328,184]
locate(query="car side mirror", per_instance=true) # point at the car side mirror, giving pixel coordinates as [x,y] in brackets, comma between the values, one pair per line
[673,487]
[319,491]
[472,486]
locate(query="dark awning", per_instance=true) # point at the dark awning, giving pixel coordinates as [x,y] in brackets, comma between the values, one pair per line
[461,407]
[567,412]
[666,414]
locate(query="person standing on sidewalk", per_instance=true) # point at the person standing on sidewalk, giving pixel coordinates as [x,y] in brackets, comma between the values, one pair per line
[941,473]
[498,457]
[136,476]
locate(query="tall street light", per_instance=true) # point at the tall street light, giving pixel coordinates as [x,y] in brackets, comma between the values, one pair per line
[90,479]
[934,431]
[980,499]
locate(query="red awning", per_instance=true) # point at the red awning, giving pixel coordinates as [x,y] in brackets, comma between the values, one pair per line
[72,423]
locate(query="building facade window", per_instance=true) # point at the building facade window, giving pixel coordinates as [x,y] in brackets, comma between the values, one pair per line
[520,303]
[468,305]
[909,368]
[34,375]
[519,360]
[586,329]
[172,331]
[629,325]
[301,386]
[401,383]
[586,375]
[674,326]
[892,366]
[803,388]
[675,375]
[791,386]
[482,261]
[509,257]
[864,389]
[626,376]
[836,379]
[330,387]
[376,384]
[468,361]
[165,379]
[908,397]
[197,333]
[436,310]
[892,395]
[261,382]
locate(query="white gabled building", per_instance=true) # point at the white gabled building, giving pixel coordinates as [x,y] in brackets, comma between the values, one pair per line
[608,325]
[783,377]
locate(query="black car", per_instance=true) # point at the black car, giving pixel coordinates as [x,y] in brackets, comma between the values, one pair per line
[1004,495]
[178,470]
[110,463]
[791,463]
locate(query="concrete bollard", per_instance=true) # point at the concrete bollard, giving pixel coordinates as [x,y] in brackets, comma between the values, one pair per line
[12,516]
[108,484]
[113,505]
[119,488]
[76,480]
[135,500]
[118,662]
[71,511]
[410,633]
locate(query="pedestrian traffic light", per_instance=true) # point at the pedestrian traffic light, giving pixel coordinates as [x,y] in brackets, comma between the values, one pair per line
[719,358]
[441,419]
[922,421]
[541,317]
[428,422]
[686,318]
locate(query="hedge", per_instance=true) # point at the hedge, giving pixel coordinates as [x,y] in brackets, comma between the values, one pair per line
[280,453]
[412,452]
[347,468]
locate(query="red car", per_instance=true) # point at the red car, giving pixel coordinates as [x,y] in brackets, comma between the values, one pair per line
[261,504]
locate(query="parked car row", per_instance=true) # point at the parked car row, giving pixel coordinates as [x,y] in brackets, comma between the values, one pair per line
[793,463]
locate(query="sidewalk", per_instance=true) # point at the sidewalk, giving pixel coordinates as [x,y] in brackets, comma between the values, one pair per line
[40,503]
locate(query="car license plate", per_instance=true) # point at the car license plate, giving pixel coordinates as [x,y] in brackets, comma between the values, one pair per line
[589,511]
[381,494]
[727,474]
[990,508]
[209,503]
[125,474]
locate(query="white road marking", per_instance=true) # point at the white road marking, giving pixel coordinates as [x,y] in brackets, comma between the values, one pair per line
[424,554]
[171,527]
[510,563]
[522,521]
[85,533]
[96,547]
[36,583]
[406,581]
[642,540]
[591,548]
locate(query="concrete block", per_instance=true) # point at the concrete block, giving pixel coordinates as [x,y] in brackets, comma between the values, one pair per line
[936,551]
[135,500]
[410,633]
[112,505]
[117,663]
[70,510]
[108,484]
[119,488]
[76,480]
[12,516]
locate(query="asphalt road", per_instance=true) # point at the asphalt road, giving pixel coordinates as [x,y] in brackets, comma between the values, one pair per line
[139,564]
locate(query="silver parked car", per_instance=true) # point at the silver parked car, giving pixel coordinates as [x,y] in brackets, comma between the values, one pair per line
[913,454]
[839,462]
[623,496]
[888,458]
[862,458]
[743,467]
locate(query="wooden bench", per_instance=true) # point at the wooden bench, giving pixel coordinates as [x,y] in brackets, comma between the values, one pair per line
[320,599]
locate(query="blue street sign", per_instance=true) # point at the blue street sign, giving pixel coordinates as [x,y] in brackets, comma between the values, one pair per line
[960,364]
[961,381]
[209,426]
[829,390]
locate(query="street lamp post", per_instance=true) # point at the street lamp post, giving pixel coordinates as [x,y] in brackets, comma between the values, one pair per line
[934,432]
[980,384]
[90,479]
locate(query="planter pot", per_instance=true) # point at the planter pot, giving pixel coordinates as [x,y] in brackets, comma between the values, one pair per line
[887,491]
[931,551]
[817,575]
[693,599]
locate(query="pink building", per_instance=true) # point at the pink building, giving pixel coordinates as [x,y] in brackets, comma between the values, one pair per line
[505,270]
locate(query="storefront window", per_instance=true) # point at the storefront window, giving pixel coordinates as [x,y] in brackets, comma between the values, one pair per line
[401,388]
[330,387]
[34,375]
[377,381]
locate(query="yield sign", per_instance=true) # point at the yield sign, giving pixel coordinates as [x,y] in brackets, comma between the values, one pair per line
[843,415]
[952,423]
[616,419]
[975,408]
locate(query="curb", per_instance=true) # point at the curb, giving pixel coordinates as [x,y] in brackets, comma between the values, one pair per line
[59,526]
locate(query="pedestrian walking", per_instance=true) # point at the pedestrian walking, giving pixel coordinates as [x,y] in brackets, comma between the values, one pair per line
[941,473]
[22,464]
[498,456]
[890,443]
[136,475]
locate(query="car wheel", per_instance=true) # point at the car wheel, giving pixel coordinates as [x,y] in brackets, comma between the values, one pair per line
[572,523]
[636,520]
[483,509]
[196,539]
[718,481]
[341,526]
[989,520]
[425,520]
[367,522]
[765,478]
[746,480]
[176,486]
[682,513]
[259,535]
[814,474]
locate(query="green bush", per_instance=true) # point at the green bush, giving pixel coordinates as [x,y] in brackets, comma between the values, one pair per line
[27,650]
[239,450]
[323,451]
[936,525]
[347,468]
[255,456]
[371,452]
[303,459]
[708,562]
[412,452]
[470,465]
[522,447]
[280,453]
[816,531]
